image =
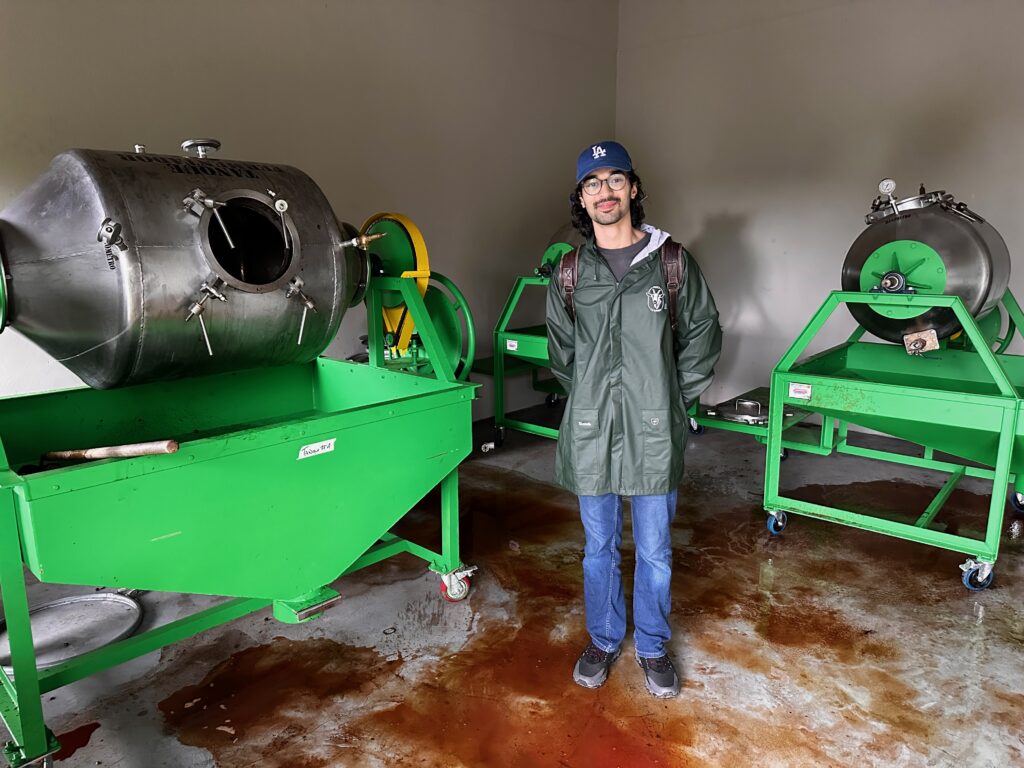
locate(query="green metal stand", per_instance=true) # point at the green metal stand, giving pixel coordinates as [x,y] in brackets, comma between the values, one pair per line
[963,402]
[522,350]
[292,460]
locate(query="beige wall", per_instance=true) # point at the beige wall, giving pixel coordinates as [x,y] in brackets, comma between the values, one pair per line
[464,115]
[761,130]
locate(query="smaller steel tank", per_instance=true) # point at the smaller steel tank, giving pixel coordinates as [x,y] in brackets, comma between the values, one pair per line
[926,244]
[130,267]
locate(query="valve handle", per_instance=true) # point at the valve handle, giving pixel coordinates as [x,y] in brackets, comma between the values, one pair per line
[200,147]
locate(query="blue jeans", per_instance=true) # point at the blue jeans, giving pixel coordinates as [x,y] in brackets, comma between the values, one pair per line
[652,583]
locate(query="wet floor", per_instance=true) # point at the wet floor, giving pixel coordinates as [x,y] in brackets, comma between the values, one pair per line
[825,646]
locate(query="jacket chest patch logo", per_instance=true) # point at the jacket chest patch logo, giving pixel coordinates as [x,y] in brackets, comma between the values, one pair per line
[655,298]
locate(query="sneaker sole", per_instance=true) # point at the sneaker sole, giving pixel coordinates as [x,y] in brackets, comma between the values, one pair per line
[656,691]
[591,682]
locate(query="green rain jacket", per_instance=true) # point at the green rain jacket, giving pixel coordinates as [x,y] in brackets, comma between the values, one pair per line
[625,424]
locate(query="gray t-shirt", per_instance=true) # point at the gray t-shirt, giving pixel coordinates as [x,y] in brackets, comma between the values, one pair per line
[619,259]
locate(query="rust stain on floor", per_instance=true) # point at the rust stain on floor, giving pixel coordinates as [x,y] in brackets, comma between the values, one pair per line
[784,662]
[72,741]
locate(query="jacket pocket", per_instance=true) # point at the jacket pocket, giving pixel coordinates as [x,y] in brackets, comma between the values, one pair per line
[586,441]
[657,458]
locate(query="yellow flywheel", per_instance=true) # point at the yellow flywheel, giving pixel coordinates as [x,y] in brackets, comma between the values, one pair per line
[403,253]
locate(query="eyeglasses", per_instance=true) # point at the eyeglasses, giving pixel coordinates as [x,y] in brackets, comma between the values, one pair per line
[616,181]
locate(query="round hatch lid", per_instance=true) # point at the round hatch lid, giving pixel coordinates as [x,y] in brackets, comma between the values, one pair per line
[71,626]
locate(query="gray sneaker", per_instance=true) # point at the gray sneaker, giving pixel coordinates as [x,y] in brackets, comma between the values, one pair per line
[592,666]
[660,676]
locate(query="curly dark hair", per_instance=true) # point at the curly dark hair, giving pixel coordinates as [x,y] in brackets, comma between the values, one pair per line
[581,219]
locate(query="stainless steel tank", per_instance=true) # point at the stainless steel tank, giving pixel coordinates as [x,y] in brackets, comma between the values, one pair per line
[926,244]
[128,267]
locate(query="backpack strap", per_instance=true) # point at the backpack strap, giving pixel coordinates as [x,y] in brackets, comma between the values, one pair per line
[569,274]
[673,267]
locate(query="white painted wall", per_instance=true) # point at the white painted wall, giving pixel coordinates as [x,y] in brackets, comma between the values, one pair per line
[761,129]
[466,116]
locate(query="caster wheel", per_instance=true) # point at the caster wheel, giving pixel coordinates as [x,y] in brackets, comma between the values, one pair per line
[973,582]
[499,437]
[458,592]
[1017,502]
[487,447]
[784,455]
[697,429]
[551,400]
[777,523]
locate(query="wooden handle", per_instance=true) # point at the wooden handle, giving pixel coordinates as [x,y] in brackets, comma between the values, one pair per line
[154,448]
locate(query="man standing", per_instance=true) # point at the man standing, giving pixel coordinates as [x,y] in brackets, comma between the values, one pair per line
[631,364]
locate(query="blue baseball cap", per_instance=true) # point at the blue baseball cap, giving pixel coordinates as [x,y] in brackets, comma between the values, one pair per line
[606,154]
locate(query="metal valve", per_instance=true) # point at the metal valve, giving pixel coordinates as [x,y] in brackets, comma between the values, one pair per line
[196,308]
[295,289]
[200,147]
[110,235]
[361,241]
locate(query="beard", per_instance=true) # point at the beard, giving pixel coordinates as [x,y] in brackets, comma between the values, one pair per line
[606,218]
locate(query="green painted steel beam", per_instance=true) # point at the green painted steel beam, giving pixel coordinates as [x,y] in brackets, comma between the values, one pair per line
[131,648]
[979,548]
[21,708]
[940,498]
[914,461]
[527,427]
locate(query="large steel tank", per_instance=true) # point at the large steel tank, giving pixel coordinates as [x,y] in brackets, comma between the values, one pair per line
[129,267]
[926,244]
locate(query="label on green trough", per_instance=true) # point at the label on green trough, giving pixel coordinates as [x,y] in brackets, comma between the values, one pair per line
[315,449]
[512,344]
[799,391]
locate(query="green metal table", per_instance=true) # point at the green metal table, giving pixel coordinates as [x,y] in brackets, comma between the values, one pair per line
[962,402]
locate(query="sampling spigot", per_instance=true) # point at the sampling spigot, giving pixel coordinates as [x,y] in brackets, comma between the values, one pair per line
[361,241]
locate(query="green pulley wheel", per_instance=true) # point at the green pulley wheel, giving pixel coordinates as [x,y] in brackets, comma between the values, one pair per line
[453,322]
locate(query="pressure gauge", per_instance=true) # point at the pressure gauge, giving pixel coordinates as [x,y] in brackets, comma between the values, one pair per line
[887,187]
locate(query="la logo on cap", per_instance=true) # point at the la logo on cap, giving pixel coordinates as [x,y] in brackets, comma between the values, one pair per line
[599,151]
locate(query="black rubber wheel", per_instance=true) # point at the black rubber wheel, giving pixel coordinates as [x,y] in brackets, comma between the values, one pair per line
[973,583]
[1017,502]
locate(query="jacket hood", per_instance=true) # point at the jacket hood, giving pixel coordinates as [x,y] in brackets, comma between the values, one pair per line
[658,237]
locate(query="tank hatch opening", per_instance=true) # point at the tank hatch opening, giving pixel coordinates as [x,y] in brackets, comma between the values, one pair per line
[250,242]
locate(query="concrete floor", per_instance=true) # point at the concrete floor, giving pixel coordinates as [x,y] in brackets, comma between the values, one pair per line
[823,647]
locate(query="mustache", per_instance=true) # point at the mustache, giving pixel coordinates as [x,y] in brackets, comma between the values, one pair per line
[609,200]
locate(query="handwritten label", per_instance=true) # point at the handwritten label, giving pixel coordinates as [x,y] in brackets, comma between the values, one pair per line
[315,449]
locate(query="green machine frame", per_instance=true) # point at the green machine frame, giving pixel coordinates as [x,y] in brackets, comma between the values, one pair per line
[962,402]
[522,350]
[277,490]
